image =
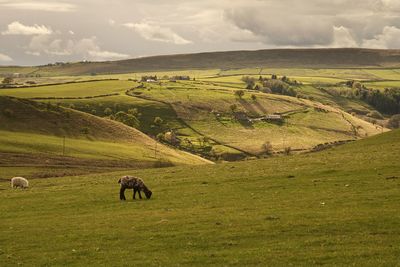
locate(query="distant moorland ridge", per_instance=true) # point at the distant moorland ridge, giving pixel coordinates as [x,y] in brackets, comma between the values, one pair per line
[276,58]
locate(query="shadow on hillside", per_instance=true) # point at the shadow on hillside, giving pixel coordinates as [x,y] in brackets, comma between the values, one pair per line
[246,124]
[248,106]
[261,107]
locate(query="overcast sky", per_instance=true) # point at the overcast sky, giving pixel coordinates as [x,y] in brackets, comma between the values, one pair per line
[40,32]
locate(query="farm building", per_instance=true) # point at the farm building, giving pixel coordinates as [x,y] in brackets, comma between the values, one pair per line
[149,79]
[273,117]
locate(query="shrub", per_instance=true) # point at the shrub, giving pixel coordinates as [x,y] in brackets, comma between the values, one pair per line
[394,121]
[375,114]
[108,111]
[160,137]
[267,148]
[134,112]
[250,82]
[233,107]
[357,85]
[239,93]
[158,121]
[254,98]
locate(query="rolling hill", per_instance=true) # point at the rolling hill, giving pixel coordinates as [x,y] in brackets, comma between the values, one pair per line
[202,109]
[335,207]
[41,134]
[278,58]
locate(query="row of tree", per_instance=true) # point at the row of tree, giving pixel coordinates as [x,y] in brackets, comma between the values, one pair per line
[271,85]
[386,101]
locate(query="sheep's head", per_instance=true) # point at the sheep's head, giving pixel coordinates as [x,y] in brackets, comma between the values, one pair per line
[148,193]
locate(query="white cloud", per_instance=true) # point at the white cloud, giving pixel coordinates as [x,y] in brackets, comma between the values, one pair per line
[154,32]
[343,38]
[36,54]
[41,6]
[17,28]
[71,32]
[87,48]
[111,22]
[105,55]
[388,39]
[5,58]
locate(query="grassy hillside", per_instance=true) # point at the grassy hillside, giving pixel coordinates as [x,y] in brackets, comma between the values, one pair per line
[32,130]
[200,109]
[206,107]
[338,207]
[278,58]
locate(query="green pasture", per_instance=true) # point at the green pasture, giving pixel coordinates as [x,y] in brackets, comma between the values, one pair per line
[338,207]
[83,89]
[18,142]
[383,85]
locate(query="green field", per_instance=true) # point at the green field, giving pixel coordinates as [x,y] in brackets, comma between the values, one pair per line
[328,208]
[12,142]
[189,108]
[70,90]
[383,85]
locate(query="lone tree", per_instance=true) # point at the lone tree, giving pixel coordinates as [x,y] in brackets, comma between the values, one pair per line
[250,82]
[233,108]
[239,93]
[158,121]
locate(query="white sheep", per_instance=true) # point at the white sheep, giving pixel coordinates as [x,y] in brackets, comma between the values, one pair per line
[19,182]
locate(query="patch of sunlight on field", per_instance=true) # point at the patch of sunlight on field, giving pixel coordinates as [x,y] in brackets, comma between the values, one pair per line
[17,142]
[71,89]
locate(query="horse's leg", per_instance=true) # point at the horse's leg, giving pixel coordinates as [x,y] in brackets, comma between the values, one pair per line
[121,193]
[134,193]
[140,196]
